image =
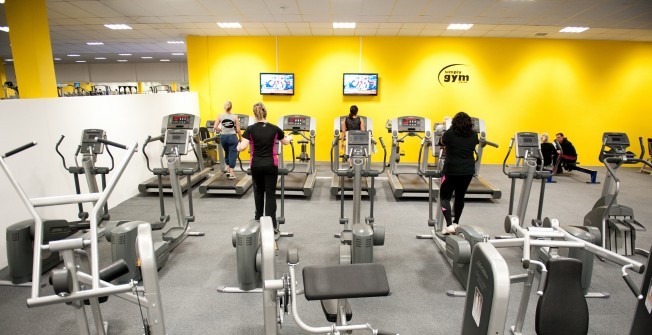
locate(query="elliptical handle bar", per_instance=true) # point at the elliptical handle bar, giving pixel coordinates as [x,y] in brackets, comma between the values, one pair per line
[484,142]
[115,144]
[640,140]
[382,144]
[149,139]
[509,151]
[19,149]
[56,148]
[630,282]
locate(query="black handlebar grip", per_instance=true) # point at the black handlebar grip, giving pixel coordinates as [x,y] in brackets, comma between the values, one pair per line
[107,142]
[60,140]
[633,287]
[19,149]
[382,142]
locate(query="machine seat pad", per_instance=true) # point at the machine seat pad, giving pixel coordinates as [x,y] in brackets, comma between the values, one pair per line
[345,281]
[562,309]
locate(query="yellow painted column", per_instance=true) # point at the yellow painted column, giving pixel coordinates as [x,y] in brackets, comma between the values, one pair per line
[140,88]
[29,34]
[3,74]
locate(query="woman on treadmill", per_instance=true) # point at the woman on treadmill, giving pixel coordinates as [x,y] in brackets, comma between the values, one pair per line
[351,122]
[228,125]
[460,141]
[263,138]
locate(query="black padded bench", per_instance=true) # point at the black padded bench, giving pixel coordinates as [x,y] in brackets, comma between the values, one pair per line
[345,281]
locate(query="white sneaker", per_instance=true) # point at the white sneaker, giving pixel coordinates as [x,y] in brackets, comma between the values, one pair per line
[451,229]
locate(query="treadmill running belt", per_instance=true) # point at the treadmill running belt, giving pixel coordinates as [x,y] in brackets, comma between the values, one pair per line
[476,187]
[413,183]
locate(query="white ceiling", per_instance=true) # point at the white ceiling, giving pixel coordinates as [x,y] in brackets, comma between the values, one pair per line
[154,22]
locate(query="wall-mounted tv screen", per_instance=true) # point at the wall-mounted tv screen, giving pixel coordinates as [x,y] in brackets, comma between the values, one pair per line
[277,83]
[360,84]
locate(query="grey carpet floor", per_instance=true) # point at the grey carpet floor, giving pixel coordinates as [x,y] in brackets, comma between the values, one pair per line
[418,273]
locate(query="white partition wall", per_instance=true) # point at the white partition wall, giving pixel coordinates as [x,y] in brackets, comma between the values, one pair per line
[125,118]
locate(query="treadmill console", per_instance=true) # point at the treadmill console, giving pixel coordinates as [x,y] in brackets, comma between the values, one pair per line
[181,121]
[615,144]
[408,124]
[358,143]
[245,121]
[89,143]
[527,145]
[411,124]
[177,138]
[297,123]
[478,124]
[210,124]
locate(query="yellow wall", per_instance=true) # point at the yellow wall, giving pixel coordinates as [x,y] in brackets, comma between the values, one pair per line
[581,88]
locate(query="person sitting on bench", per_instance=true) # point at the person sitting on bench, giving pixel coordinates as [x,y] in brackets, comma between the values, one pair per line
[567,153]
[548,151]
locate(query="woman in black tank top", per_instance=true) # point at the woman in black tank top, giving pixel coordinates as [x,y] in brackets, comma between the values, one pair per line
[351,122]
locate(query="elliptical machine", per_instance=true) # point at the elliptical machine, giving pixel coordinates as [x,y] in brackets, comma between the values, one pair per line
[20,236]
[616,222]
[81,281]
[456,248]
[358,238]
[247,242]
[179,133]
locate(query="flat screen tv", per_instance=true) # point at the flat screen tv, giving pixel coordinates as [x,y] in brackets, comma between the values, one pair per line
[277,83]
[360,84]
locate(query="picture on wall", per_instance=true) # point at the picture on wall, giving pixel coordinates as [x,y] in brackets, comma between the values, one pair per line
[360,84]
[277,83]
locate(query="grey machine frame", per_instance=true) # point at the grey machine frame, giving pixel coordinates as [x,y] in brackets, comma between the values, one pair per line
[152,185]
[302,180]
[80,279]
[406,180]
[218,183]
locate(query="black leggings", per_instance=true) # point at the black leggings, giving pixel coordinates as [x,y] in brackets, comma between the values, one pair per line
[450,184]
[264,180]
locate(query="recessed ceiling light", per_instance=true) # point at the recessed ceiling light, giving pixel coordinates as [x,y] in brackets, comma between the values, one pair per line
[124,54]
[460,26]
[57,58]
[146,57]
[165,60]
[100,58]
[80,61]
[95,43]
[118,26]
[73,55]
[9,60]
[574,29]
[344,25]
[176,42]
[5,29]
[229,24]
[177,54]
[122,60]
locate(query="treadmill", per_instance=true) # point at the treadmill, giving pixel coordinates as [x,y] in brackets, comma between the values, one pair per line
[302,180]
[407,180]
[218,183]
[479,187]
[177,121]
[348,182]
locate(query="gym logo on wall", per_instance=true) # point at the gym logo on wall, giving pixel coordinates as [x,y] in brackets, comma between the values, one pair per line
[453,74]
